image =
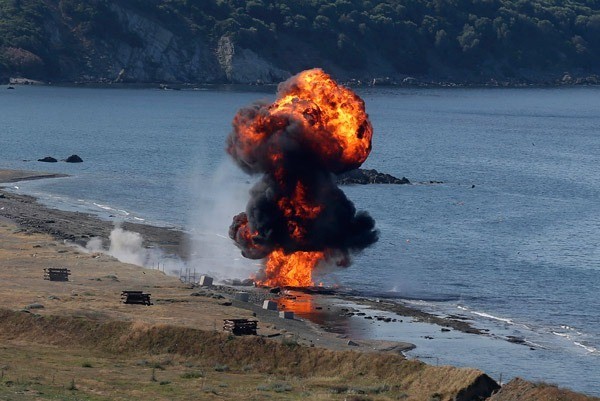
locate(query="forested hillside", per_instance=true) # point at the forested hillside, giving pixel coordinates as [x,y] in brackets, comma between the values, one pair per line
[471,41]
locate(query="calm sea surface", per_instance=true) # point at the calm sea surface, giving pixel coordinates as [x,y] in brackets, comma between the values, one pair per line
[510,238]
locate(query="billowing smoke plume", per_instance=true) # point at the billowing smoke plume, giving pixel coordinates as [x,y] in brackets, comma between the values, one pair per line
[297,216]
[127,247]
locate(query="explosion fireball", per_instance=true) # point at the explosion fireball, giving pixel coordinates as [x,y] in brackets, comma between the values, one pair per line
[297,217]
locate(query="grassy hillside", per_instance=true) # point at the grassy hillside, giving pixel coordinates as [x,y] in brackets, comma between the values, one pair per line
[56,39]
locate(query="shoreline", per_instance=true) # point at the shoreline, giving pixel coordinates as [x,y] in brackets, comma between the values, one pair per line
[10,176]
[79,228]
[325,329]
[325,314]
[272,87]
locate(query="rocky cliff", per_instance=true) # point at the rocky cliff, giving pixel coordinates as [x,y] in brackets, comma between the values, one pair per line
[420,42]
[134,48]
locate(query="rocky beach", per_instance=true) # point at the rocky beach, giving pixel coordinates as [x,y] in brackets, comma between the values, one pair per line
[81,328]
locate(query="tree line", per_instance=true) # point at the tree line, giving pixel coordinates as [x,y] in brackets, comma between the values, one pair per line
[413,36]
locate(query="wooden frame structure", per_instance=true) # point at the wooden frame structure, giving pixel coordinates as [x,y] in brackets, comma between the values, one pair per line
[57,274]
[135,297]
[240,327]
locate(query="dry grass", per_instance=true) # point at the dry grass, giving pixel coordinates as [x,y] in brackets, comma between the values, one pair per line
[521,390]
[84,344]
[96,284]
[321,370]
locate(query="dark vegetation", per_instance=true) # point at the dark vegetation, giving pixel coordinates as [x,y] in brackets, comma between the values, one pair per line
[437,38]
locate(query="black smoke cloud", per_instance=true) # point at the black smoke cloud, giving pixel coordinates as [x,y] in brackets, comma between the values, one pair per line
[338,229]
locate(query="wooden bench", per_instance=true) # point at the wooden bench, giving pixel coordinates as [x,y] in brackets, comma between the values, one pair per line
[135,297]
[240,327]
[56,274]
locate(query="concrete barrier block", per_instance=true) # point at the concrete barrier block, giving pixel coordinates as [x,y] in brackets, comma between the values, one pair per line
[206,281]
[269,305]
[242,296]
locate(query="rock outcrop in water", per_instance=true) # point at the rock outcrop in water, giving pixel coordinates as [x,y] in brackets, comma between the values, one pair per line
[365,176]
[74,159]
[48,159]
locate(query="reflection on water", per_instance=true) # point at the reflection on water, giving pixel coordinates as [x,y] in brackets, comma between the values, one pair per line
[301,304]
[315,309]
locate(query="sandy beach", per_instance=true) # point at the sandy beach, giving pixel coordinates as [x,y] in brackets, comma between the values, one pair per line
[81,322]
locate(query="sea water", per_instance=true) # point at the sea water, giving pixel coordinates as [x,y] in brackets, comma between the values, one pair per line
[508,239]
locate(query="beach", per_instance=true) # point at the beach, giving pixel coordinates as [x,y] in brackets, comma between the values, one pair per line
[79,228]
[83,320]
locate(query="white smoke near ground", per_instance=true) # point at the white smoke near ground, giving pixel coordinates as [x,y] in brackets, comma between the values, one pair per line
[94,245]
[213,200]
[216,198]
[127,247]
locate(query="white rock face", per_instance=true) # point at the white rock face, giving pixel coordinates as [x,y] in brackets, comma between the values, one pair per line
[153,53]
[161,55]
[244,66]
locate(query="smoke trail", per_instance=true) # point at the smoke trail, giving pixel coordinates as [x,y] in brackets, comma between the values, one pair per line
[216,197]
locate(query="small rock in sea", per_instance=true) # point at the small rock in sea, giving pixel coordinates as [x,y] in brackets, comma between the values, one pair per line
[352,343]
[364,176]
[445,329]
[74,159]
[515,340]
[368,317]
[428,338]
[48,159]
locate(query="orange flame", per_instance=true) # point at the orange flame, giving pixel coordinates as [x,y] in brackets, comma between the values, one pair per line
[334,121]
[293,270]
[331,111]
[297,209]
